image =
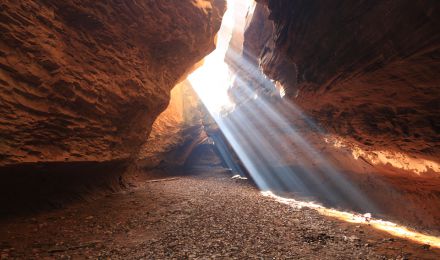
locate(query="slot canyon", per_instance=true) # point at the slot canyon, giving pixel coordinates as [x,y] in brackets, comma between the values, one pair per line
[220,129]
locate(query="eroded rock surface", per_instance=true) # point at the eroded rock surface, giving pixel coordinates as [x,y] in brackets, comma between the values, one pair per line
[177,131]
[85,80]
[367,71]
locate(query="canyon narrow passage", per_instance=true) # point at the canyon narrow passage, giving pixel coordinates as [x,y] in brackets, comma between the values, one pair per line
[205,215]
[220,129]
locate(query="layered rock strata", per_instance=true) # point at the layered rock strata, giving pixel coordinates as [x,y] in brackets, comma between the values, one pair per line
[81,83]
[85,80]
[366,71]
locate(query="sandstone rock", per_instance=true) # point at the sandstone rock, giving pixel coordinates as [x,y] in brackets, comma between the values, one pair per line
[177,131]
[367,71]
[85,80]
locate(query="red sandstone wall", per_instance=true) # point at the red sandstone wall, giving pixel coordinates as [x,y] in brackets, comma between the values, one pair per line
[365,70]
[84,80]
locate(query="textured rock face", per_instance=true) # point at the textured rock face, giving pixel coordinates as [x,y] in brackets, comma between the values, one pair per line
[85,80]
[368,73]
[177,131]
[365,70]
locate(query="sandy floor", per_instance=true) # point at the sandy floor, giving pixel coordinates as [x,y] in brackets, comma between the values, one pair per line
[204,216]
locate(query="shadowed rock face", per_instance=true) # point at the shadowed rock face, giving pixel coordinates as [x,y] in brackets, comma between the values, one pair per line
[365,70]
[85,80]
[177,131]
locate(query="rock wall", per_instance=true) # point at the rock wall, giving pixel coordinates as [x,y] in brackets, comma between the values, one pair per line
[81,83]
[176,132]
[367,73]
[365,70]
[84,80]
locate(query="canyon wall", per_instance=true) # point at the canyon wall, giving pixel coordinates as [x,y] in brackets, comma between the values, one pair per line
[176,132]
[81,83]
[84,80]
[367,73]
[365,70]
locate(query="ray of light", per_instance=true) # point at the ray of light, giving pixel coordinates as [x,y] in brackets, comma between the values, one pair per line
[279,130]
[261,135]
[213,78]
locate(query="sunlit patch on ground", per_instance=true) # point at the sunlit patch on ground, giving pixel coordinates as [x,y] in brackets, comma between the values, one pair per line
[365,219]
[395,159]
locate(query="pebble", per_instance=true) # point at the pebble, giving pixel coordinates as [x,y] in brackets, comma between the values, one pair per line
[206,217]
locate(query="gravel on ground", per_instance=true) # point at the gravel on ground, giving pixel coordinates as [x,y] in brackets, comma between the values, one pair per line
[204,216]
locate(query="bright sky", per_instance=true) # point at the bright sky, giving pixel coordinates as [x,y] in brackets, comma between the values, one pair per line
[212,80]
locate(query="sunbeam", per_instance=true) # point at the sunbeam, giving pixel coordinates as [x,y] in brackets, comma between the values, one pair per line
[215,72]
[256,121]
